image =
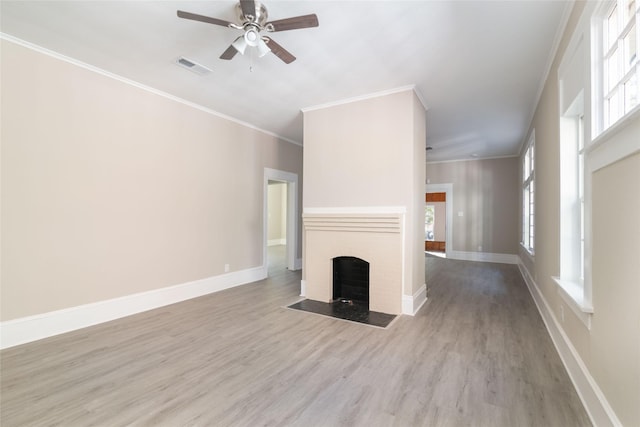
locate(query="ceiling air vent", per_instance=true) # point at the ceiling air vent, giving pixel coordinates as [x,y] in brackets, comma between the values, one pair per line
[192,66]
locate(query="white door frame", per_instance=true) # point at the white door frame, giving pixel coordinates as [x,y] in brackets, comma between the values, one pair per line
[448,189]
[292,214]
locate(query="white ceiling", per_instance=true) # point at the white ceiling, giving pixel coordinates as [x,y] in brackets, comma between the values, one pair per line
[478,65]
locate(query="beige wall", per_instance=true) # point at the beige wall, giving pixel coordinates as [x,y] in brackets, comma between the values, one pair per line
[370,153]
[110,190]
[486,192]
[614,346]
[277,211]
[350,155]
[611,349]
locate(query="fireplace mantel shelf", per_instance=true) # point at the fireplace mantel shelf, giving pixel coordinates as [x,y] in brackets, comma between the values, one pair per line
[373,223]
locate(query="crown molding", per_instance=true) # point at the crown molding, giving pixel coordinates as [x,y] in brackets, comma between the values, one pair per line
[369,96]
[138,85]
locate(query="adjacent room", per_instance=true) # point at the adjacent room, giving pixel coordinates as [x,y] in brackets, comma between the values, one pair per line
[320,213]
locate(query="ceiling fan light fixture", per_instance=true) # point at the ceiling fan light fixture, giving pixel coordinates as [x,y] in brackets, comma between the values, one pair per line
[240,44]
[252,19]
[263,49]
[252,37]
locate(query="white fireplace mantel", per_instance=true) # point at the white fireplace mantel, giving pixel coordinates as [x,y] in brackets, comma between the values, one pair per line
[375,235]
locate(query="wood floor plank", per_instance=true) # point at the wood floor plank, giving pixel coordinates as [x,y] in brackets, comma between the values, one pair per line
[477,353]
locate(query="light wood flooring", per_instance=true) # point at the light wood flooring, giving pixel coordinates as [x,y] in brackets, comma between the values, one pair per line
[477,354]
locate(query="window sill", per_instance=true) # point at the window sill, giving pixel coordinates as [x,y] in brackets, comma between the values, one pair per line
[622,123]
[615,143]
[572,293]
[530,254]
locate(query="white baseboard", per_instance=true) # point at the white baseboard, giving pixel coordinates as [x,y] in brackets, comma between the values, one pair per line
[303,288]
[483,257]
[594,401]
[32,328]
[276,242]
[412,303]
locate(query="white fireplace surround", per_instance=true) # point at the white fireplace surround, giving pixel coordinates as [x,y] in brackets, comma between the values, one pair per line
[374,234]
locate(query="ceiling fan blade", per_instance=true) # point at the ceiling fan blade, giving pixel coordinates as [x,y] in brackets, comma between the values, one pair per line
[202,18]
[305,21]
[229,53]
[248,7]
[279,51]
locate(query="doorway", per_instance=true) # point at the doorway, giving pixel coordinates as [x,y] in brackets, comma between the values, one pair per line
[280,220]
[438,219]
[435,222]
[276,226]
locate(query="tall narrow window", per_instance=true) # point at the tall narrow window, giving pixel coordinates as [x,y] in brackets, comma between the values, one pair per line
[528,195]
[573,86]
[572,193]
[619,65]
[580,178]
[572,276]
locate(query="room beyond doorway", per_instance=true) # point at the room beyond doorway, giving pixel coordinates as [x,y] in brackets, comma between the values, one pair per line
[435,222]
[438,219]
[280,218]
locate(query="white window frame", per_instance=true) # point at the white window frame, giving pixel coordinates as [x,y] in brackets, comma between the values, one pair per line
[575,76]
[528,195]
[602,50]
[599,150]
[574,281]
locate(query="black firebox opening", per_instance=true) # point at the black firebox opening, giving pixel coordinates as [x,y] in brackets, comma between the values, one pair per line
[350,279]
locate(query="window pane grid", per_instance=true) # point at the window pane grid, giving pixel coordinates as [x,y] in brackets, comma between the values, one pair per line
[531,213]
[620,61]
[611,67]
[528,197]
[611,25]
[581,267]
[631,92]
[629,43]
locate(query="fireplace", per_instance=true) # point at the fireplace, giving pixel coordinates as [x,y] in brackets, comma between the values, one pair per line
[374,239]
[350,279]
[350,297]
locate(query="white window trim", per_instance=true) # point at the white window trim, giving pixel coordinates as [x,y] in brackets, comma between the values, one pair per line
[576,293]
[595,15]
[572,294]
[603,152]
[601,148]
[530,250]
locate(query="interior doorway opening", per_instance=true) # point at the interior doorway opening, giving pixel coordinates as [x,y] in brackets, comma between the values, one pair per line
[280,221]
[435,223]
[438,219]
[276,225]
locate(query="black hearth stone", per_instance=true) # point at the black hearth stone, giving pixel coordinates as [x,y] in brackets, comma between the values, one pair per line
[354,311]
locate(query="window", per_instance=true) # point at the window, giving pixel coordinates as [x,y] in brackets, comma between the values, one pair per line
[617,42]
[528,195]
[572,193]
[580,199]
[573,279]
[429,221]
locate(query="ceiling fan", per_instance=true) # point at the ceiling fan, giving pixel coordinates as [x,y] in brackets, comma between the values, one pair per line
[252,16]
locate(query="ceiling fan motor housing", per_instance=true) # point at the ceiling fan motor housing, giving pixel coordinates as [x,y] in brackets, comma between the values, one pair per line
[252,18]
[260,16]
